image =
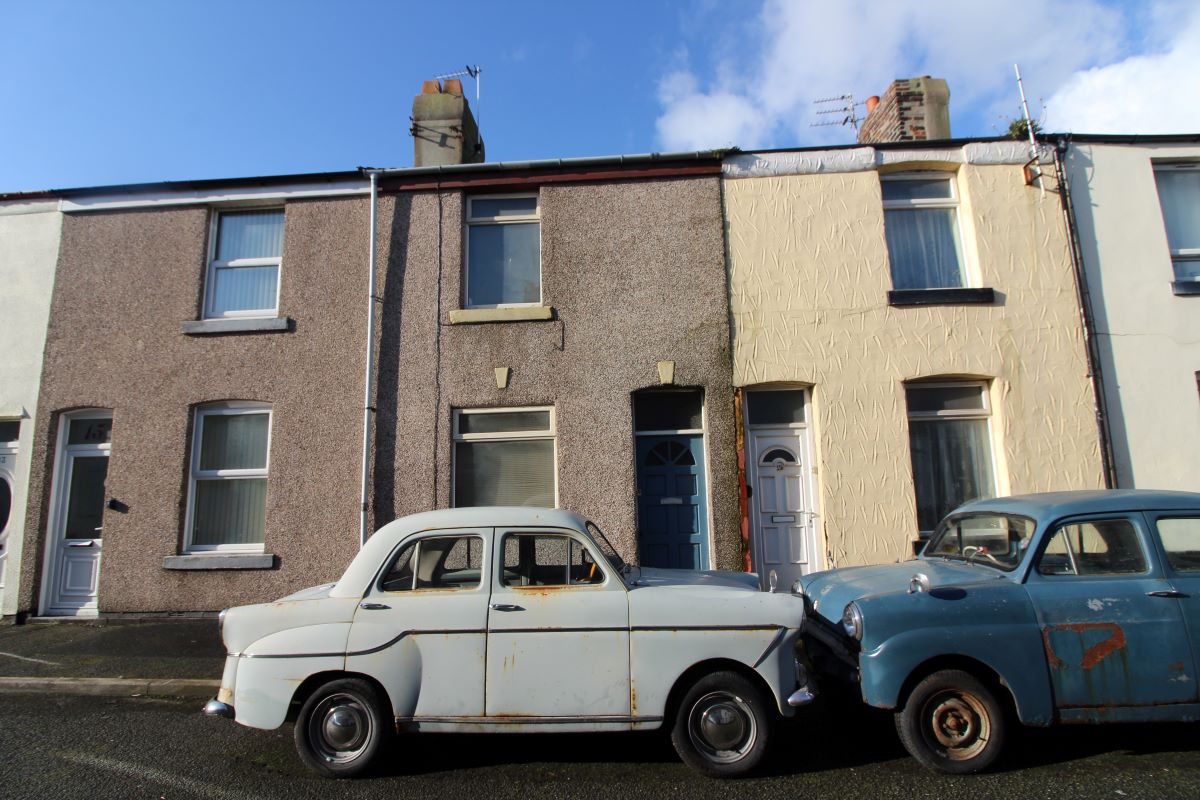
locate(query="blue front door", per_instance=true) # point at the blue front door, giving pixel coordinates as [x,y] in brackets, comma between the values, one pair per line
[672,516]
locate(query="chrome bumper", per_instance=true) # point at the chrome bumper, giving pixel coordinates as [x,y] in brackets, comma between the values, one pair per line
[215,708]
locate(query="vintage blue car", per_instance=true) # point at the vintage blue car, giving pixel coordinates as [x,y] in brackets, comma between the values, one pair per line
[1059,607]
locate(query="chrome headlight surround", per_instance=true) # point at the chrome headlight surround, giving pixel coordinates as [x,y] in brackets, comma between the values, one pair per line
[852,621]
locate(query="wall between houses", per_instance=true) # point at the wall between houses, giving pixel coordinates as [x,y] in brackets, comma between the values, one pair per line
[1149,338]
[635,273]
[809,277]
[126,281]
[29,234]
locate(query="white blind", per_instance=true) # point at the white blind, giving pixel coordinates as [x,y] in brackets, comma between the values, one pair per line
[250,234]
[504,474]
[229,511]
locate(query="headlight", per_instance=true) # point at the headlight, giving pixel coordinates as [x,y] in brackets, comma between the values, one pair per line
[852,622]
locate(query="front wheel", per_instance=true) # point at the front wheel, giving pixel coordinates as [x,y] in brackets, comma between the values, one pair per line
[722,726]
[341,727]
[952,723]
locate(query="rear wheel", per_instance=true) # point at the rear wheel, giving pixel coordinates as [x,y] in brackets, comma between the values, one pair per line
[341,727]
[952,723]
[722,726]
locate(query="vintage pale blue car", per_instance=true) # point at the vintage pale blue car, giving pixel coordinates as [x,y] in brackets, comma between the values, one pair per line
[1060,607]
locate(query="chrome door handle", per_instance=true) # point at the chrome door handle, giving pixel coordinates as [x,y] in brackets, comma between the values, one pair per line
[506,607]
[88,543]
[1167,593]
[374,606]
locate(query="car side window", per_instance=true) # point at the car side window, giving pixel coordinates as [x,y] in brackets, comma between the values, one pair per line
[439,562]
[539,559]
[1096,547]
[1181,541]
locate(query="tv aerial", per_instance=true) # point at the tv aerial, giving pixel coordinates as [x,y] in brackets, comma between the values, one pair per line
[846,108]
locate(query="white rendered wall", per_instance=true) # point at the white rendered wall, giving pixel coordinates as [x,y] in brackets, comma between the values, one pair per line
[1149,338]
[29,234]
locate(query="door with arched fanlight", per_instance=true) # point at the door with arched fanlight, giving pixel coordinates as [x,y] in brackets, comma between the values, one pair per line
[672,495]
[782,517]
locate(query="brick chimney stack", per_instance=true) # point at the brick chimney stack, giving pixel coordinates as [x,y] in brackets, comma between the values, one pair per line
[912,110]
[443,128]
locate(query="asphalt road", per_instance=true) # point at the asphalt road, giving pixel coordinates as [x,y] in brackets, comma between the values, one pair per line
[132,748]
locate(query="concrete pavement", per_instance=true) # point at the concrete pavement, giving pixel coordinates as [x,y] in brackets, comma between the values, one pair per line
[178,657]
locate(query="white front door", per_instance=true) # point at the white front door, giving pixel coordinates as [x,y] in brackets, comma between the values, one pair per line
[783,525]
[8,458]
[76,530]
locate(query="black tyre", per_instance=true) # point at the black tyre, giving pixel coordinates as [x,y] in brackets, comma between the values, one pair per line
[341,727]
[723,725]
[952,723]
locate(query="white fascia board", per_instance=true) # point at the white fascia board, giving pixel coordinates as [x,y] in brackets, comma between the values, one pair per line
[246,194]
[15,207]
[864,159]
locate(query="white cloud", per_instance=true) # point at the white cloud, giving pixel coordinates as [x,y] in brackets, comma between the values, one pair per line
[1155,93]
[760,90]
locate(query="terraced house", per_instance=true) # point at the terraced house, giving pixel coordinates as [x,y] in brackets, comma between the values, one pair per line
[547,333]
[907,335]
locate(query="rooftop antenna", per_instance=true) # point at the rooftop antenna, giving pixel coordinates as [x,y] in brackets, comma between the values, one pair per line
[846,109]
[473,72]
[1032,170]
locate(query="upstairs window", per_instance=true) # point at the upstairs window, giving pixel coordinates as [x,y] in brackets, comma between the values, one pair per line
[1179,195]
[243,275]
[920,215]
[228,498]
[504,260]
[950,442]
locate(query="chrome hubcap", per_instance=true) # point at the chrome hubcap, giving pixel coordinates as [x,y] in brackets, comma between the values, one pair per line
[721,726]
[340,727]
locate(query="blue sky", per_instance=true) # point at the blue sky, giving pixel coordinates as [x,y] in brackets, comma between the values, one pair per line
[127,91]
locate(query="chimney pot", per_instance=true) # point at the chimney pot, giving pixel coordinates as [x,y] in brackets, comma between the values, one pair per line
[872,101]
[431,87]
[453,86]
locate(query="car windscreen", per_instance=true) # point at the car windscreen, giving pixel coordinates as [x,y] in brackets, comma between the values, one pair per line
[998,540]
[606,548]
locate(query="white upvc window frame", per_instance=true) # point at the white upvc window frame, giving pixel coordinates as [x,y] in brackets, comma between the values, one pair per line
[551,433]
[469,221]
[1190,254]
[954,203]
[983,413]
[210,273]
[195,474]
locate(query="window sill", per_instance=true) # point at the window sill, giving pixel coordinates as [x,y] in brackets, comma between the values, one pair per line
[1183,288]
[941,297]
[475,316]
[220,561]
[203,327]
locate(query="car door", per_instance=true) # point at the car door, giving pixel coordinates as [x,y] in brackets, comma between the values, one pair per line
[421,628]
[1112,634]
[558,630]
[1179,535]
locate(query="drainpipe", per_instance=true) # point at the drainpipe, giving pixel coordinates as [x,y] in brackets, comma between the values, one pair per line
[369,382]
[1085,312]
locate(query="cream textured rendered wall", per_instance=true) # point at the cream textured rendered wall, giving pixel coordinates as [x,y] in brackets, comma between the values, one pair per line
[29,235]
[1149,338]
[809,277]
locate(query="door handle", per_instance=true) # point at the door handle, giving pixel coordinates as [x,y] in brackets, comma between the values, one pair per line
[1166,593]
[88,543]
[374,606]
[506,607]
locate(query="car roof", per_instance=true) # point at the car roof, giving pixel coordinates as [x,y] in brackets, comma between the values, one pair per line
[1050,505]
[383,541]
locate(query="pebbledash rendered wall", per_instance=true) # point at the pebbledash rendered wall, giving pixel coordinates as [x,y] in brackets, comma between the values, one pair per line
[809,277]
[1148,336]
[634,270]
[126,281]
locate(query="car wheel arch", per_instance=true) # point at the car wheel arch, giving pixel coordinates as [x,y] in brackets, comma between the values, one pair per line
[972,666]
[698,670]
[319,679]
